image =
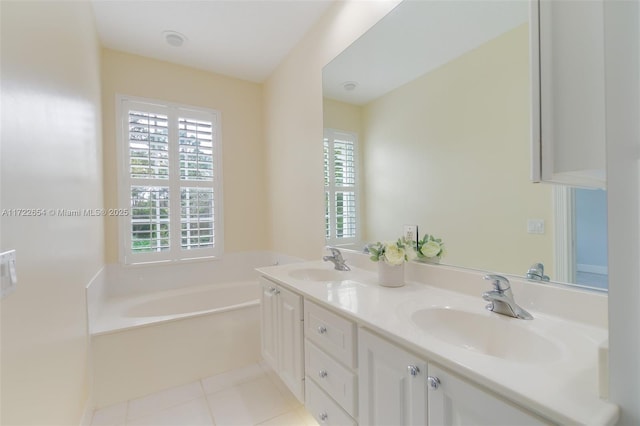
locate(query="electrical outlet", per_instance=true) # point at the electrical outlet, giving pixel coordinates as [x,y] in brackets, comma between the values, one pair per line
[8,273]
[410,232]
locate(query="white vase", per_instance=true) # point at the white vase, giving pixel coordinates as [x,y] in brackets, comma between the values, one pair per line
[390,275]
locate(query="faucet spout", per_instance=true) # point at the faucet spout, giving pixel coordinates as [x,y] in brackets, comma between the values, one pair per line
[337,259]
[501,300]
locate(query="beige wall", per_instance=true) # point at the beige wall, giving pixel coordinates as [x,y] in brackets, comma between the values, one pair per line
[293,127]
[450,153]
[51,159]
[342,116]
[240,104]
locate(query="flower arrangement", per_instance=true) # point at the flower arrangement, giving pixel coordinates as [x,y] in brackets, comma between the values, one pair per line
[394,252]
[430,247]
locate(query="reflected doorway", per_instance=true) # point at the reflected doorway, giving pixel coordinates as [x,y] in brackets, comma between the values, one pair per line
[581,236]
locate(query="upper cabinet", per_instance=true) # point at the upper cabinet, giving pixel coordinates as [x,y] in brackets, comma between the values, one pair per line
[568,95]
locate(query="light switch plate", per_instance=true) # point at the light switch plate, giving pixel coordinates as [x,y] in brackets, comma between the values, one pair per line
[8,273]
[535,226]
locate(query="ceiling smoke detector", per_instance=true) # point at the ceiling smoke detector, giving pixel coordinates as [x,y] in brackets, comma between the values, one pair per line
[174,38]
[349,86]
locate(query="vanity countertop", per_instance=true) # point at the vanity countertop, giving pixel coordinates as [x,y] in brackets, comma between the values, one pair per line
[560,382]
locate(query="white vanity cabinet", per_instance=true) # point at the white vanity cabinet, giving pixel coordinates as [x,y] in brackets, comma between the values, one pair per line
[453,401]
[282,338]
[400,388]
[393,387]
[568,92]
[330,365]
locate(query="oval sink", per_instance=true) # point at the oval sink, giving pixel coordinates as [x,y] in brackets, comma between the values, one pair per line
[316,274]
[500,337]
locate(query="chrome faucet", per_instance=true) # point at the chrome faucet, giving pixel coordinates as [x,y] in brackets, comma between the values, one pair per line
[501,298]
[337,259]
[536,273]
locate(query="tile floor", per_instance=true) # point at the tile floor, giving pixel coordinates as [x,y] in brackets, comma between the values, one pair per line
[249,396]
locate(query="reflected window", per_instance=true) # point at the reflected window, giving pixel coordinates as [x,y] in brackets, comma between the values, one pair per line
[341,187]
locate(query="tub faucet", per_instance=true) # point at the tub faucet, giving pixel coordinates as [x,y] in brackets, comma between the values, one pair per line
[501,298]
[536,273]
[337,259]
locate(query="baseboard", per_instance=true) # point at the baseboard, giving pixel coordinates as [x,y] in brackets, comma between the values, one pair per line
[592,269]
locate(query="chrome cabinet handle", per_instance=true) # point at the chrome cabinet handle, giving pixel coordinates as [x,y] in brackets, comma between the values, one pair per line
[323,417]
[413,370]
[434,382]
[322,329]
[272,290]
[323,374]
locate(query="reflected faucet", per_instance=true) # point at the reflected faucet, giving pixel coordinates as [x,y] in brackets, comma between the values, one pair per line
[501,298]
[337,259]
[536,273]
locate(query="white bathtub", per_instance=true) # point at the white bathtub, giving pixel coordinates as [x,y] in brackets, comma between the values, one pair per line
[145,343]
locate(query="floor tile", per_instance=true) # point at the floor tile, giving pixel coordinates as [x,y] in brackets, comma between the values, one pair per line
[248,403]
[192,413]
[232,378]
[110,416]
[307,418]
[292,401]
[291,418]
[164,399]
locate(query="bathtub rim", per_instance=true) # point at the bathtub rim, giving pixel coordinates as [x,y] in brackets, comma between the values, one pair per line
[111,316]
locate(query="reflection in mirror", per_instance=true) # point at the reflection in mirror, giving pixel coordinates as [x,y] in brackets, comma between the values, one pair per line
[438,99]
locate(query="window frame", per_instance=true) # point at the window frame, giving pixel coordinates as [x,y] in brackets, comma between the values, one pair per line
[330,135]
[173,111]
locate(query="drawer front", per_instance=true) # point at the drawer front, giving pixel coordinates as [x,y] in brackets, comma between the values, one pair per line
[336,380]
[324,409]
[332,333]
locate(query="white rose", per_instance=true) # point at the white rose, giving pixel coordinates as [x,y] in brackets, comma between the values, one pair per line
[394,254]
[430,249]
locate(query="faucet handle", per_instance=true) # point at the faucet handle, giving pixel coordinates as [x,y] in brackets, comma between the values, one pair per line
[499,282]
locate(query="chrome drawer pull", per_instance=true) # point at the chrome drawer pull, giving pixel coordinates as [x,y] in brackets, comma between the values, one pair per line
[323,417]
[322,329]
[413,370]
[323,374]
[434,382]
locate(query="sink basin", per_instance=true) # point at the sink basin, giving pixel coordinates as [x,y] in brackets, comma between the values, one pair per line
[317,274]
[489,334]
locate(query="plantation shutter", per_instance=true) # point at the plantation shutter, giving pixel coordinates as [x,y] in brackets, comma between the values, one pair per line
[340,178]
[171,178]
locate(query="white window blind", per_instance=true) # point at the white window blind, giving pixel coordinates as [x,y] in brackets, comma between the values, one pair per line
[170,181]
[341,191]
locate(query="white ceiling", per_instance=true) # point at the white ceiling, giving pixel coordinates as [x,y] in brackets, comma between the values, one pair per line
[415,38]
[246,39]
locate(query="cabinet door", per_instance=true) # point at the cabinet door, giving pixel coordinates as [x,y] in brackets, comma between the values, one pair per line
[392,383]
[568,113]
[290,341]
[268,323]
[457,402]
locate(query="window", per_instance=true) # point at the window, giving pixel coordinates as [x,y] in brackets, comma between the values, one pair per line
[169,181]
[340,183]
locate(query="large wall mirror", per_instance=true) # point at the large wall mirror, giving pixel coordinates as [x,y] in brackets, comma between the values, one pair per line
[437,96]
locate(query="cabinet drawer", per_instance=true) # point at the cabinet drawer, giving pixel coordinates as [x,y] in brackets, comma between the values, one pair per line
[332,333]
[340,383]
[324,409]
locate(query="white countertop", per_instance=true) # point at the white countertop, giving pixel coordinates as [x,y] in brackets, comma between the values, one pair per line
[562,387]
